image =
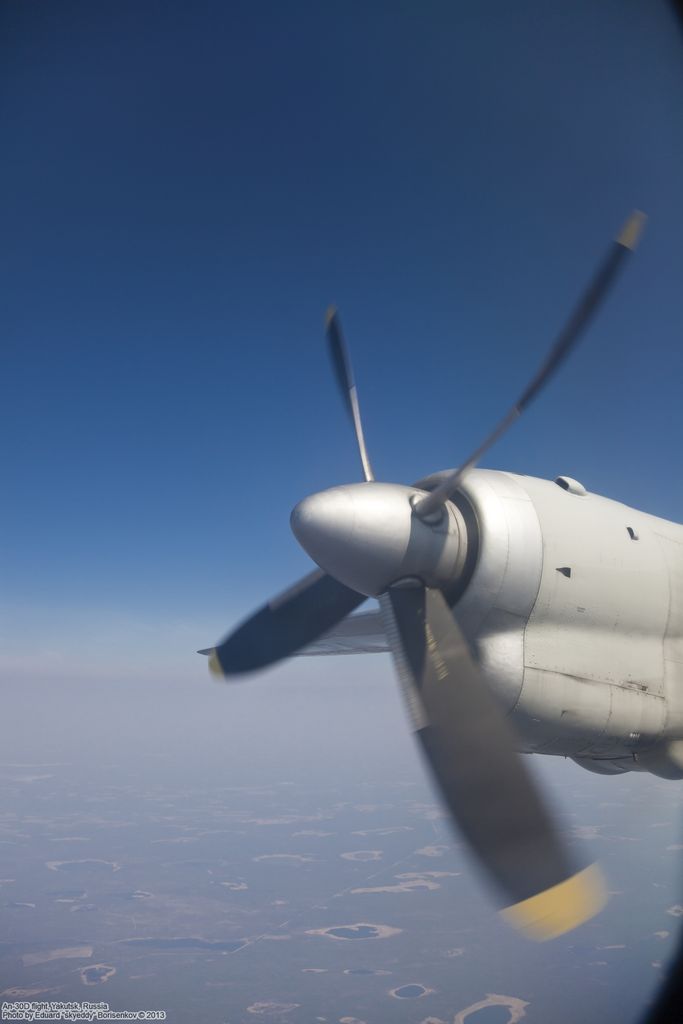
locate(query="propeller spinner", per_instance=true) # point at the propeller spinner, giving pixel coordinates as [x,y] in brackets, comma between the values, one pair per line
[405,546]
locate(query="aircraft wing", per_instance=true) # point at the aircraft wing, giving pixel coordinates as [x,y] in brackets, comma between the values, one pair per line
[356,634]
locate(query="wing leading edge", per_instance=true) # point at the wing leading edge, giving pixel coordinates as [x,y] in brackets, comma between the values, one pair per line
[356,634]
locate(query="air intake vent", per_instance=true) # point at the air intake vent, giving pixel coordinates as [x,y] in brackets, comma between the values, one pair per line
[568,484]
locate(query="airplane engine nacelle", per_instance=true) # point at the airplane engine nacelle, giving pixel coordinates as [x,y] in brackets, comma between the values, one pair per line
[575,607]
[665,760]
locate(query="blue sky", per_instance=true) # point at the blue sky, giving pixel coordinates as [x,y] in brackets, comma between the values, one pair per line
[188,186]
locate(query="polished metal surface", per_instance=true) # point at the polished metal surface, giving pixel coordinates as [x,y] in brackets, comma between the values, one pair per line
[368,537]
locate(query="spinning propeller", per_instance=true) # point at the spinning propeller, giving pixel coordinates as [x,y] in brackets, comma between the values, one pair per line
[405,546]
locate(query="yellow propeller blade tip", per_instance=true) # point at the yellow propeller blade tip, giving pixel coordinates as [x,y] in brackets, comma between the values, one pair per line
[629,236]
[561,908]
[215,665]
[330,314]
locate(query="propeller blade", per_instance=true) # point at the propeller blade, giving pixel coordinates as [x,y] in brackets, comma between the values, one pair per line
[344,373]
[586,307]
[483,780]
[289,622]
